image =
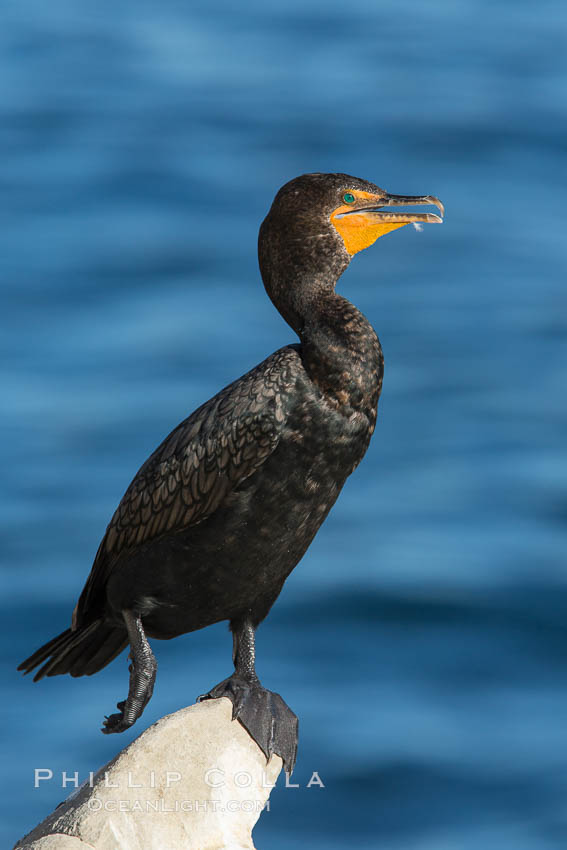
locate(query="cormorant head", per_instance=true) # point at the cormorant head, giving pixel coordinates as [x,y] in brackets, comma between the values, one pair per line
[317,223]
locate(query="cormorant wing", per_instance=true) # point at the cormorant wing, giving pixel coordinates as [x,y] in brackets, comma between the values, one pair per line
[206,457]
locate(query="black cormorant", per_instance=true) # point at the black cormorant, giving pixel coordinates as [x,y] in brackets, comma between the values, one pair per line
[223,510]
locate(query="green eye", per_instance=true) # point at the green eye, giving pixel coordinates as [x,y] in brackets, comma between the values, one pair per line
[348,198]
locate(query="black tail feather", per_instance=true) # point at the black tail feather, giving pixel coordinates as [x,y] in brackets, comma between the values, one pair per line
[80,653]
[101,654]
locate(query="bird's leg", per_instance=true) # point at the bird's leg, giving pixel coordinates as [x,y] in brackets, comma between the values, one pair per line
[142,677]
[244,650]
[264,714]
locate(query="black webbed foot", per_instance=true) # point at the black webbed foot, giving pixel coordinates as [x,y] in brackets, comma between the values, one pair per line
[115,722]
[264,715]
[139,694]
[142,678]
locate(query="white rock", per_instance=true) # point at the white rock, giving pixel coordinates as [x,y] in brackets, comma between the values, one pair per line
[202,784]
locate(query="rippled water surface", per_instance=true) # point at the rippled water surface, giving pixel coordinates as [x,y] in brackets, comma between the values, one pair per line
[423,639]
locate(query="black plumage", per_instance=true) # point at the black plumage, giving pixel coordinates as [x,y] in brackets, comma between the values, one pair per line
[223,510]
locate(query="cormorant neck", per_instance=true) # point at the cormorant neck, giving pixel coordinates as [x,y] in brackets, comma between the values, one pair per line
[299,272]
[342,355]
[340,350]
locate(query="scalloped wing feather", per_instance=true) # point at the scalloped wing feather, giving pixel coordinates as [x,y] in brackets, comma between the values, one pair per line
[207,456]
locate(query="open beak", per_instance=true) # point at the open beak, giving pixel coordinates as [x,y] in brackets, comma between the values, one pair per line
[378,214]
[363,222]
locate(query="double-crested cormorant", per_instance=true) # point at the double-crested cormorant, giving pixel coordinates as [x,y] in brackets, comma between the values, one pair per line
[223,510]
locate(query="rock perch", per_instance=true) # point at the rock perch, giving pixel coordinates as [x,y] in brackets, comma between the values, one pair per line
[195,779]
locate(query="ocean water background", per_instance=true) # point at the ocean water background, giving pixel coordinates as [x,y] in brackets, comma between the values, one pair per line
[423,638]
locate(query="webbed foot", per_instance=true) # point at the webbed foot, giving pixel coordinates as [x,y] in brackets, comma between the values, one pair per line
[264,715]
[142,679]
[116,722]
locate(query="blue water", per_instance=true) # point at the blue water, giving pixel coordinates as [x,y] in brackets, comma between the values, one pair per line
[423,639]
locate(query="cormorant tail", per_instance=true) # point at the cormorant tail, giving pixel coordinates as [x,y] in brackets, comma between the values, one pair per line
[80,653]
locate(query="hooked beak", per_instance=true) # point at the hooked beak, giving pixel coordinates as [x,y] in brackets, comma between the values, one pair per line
[378,214]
